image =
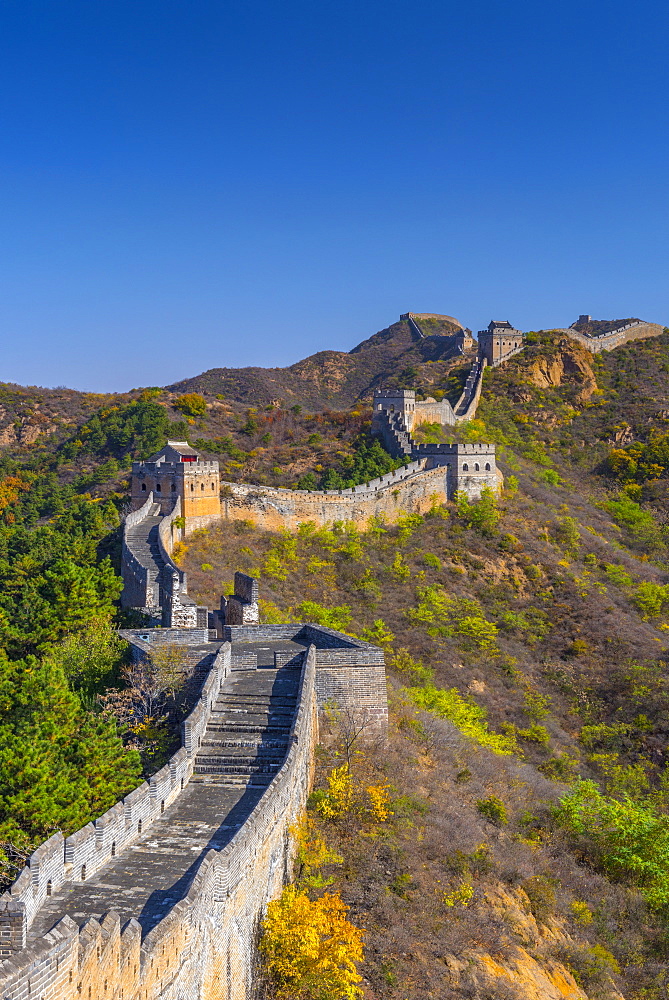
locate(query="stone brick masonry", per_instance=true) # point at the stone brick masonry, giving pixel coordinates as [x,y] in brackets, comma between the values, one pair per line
[152,920]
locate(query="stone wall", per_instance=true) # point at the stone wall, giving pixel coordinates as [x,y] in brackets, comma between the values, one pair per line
[407,490]
[138,590]
[350,673]
[609,341]
[204,947]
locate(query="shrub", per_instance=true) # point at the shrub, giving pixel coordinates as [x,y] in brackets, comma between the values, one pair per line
[403,662]
[494,810]
[378,798]
[559,768]
[618,575]
[628,514]
[466,716]
[338,618]
[191,404]
[566,531]
[310,949]
[651,599]
[592,966]
[399,568]
[550,476]
[379,634]
[461,617]
[337,800]
[481,514]
[628,840]
[581,913]
[312,854]
[461,896]
[540,890]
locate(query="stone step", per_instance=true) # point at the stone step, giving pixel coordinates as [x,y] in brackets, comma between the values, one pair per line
[246,743]
[233,780]
[232,769]
[239,758]
[231,727]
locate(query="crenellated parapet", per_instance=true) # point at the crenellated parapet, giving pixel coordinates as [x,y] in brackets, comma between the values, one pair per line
[168,887]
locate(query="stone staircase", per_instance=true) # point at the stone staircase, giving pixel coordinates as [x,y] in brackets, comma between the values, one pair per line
[247,737]
[142,540]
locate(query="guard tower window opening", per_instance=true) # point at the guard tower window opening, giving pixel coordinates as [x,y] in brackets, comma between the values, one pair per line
[465,467]
[213,486]
[476,467]
[143,487]
[159,488]
[487,467]
[173,488]
[202,487]
[191,487]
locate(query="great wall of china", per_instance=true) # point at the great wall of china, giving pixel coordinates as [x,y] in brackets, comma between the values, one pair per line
[161,897]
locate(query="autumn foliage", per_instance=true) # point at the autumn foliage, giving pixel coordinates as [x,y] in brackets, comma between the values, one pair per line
[310,947]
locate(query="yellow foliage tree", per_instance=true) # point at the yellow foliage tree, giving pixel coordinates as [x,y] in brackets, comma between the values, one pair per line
[337,800]
[310,948]
[379,802]
[312,853]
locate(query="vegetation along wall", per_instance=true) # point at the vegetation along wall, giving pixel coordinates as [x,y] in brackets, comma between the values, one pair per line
[204,945]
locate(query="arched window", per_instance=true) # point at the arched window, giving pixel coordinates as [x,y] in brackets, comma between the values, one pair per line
[487,467]
[191,487]
[476,467]
[143,487]
[465,467]
[202,487]
[159,488]
[173,488]
[213,486]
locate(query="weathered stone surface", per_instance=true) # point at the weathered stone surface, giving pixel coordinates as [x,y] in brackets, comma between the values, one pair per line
[174,914]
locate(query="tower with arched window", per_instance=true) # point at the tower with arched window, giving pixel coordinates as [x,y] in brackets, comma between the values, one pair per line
[178,470]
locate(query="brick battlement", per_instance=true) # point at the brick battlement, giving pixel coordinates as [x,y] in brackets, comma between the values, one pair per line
[192,931]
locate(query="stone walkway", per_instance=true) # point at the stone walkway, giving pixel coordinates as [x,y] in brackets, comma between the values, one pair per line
[244,745]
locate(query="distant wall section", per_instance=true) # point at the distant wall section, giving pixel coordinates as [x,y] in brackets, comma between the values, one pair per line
[609,341]
[412,489]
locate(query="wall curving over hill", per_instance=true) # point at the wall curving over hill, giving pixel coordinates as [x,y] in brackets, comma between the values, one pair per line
[198,939]
[609,341]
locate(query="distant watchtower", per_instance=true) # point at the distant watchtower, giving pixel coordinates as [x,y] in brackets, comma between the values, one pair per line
[177,470]
[499,342]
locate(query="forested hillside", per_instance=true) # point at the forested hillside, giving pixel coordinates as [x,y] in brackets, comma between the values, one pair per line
[520,837]
[519,846]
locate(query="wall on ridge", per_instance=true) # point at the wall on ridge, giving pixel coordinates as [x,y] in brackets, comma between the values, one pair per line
[390,496]
[636,331]
[205,945]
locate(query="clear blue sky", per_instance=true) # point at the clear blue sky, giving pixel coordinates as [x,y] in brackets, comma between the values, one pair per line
[192,184]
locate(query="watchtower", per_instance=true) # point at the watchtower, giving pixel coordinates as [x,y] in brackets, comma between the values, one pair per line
[177,470]
[499,341]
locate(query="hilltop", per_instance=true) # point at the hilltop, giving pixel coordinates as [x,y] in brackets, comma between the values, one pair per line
[527,652]
[337,379]
[526,644]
